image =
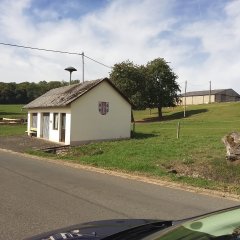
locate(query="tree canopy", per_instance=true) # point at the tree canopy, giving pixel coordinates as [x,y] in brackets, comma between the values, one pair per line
[162,88]
[153,85]
[130,79]
[25,92]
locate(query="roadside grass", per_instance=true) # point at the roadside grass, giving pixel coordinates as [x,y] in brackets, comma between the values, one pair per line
[12,111]
[197,158]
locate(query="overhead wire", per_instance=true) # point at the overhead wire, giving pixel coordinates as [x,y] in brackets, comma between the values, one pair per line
[55,51]
[98,62]
[39,49]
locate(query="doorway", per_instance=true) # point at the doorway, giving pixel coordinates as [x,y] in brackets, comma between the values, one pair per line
[63,127]
[45,126]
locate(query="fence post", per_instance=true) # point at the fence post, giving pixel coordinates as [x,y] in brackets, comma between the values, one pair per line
[178,130]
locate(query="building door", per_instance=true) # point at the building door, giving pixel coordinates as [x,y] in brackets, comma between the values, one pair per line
[63,127]
[45,126]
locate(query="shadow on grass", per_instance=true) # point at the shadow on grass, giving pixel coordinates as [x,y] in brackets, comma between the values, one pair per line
[174,116]
[137,135]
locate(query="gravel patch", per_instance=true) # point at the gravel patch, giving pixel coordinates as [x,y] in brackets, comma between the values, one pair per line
[23,143]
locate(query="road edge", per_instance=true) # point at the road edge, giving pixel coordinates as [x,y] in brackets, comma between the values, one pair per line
[140,178]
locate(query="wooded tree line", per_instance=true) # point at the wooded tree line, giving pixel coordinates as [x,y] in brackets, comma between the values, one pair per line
[147,86]
[25,92]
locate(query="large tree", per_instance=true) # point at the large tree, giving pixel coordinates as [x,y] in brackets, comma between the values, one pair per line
[130,79]
[153,85]
[162,88]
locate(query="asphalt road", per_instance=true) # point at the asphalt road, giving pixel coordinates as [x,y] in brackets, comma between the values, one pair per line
[37,196]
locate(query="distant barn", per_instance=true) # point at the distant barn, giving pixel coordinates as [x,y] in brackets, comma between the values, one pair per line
[204,97]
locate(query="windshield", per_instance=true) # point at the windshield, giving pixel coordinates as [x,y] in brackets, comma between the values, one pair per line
[224,225]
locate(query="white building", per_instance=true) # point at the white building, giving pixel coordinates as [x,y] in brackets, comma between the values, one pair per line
[81,113]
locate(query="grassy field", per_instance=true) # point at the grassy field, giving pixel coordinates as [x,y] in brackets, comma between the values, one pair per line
[12,111]
[197,158]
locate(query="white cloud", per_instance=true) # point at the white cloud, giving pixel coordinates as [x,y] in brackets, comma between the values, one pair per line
[119,31]
[219,39]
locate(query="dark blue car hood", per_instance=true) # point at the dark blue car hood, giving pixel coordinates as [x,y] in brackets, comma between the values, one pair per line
[117,229]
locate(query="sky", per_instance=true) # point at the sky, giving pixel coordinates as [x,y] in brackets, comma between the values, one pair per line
[199,38]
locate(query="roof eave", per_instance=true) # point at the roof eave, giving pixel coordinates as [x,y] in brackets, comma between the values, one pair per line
[47,107]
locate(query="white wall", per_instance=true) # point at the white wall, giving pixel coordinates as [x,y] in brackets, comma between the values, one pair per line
[68,129]
[29,122]
[39,124]
[88,124]
[206,99]
[195,100]
[54,135]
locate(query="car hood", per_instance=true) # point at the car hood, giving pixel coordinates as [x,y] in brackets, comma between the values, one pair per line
[103,229]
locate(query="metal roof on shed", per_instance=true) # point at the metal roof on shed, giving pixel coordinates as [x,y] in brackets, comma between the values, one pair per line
[203,93]
[61,97]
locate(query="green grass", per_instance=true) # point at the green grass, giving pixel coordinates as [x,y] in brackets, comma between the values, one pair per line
[12,111]
[198,155]
[12,130]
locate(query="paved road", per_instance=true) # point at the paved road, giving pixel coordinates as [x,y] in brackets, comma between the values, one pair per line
[38,196]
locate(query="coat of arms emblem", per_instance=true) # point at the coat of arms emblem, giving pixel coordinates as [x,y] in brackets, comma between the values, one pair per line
[103,107]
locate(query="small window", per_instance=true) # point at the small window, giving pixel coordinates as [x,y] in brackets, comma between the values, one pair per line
[34,120]
[55,121]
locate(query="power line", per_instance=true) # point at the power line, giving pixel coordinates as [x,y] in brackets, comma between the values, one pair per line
[39,49]
[97,62]
[55,51]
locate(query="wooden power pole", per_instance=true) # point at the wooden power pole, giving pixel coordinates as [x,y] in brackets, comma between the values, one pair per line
[83,67]
[184,113]
[210,91]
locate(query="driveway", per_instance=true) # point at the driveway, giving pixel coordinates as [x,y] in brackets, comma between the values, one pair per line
[23,143]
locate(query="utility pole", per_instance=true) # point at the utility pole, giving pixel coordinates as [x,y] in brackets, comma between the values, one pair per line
[210,91]
[83,67]
[184,113]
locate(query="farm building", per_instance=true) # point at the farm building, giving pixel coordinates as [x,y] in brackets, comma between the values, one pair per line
[203,97]
[80,113]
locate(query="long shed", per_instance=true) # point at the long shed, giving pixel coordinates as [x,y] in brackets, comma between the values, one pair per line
[80,113]
[203,97]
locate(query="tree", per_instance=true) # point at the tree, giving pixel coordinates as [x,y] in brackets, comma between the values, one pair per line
[162,88]
[25,92]
[8,93]
[153,85]
[130,79]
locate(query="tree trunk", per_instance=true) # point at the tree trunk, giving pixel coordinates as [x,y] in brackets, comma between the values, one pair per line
[232,143]
[160,116]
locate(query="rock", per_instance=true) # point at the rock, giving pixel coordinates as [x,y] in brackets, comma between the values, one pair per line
[172,171]
[232,144]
